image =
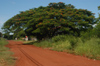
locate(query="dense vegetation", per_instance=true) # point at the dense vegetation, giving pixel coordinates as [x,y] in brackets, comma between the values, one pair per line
[46,22]
[88,44]
[5,54]
[0,34]
[59,27]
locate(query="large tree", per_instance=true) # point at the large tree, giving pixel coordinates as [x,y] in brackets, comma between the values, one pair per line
[56,18]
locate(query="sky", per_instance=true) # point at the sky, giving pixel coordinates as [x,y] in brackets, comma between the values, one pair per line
[9,8]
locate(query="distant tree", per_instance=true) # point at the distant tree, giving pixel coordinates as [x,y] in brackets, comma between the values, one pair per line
[0,34]
[45,22]
[98,7]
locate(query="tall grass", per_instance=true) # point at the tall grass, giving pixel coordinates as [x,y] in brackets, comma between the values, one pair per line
[5,55]
[88,47]
[62,46]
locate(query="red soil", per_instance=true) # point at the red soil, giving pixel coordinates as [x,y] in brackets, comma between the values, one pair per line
[29,55]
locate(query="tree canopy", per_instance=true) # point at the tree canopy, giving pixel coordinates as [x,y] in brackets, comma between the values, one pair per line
[54,19]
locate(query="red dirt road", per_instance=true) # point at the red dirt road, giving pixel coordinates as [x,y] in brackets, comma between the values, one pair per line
[29,55]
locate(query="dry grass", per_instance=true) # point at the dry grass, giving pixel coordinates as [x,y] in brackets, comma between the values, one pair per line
[6,58]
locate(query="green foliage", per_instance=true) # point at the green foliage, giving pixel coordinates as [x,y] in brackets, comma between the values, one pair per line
[55,45]
[71,39]
[44,44]
[7,36]
[96,30]
[45,22]
[90,48]
[3,42]
[5,54]
[0,34]
[62,46]
[59,38]
[87,35]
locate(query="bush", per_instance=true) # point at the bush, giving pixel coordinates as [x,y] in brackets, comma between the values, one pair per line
[90,48]
[43,43]
[73,40]
[59,38]
[61,46]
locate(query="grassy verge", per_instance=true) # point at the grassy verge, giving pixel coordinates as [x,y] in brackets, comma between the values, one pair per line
[89,48]
[5,55]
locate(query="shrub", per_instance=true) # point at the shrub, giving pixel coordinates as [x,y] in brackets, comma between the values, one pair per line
[61,46]
[90,48]
[59,38]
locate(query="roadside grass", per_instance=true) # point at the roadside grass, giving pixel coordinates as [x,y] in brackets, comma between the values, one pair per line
[89,48]
[26,42]
[6,58]
[62,46]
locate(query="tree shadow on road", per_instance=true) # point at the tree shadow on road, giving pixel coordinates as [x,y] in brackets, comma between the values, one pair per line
[30,43]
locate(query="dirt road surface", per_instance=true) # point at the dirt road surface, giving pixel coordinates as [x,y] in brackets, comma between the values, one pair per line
[29,55]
